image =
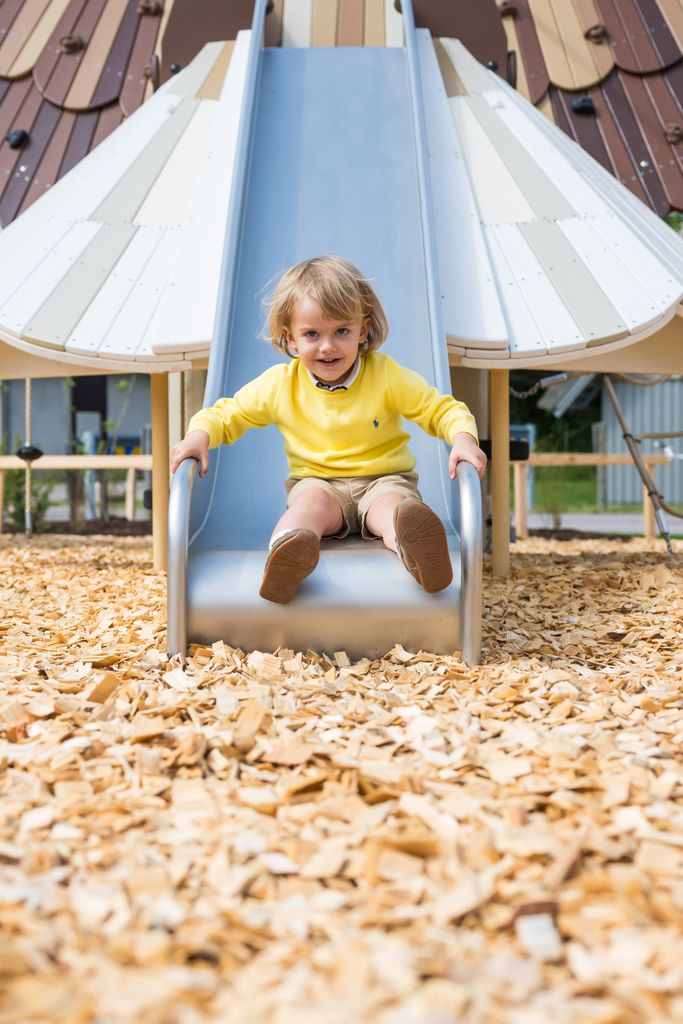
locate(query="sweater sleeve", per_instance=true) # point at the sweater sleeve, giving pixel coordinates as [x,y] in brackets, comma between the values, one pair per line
[437,414]
[251,406]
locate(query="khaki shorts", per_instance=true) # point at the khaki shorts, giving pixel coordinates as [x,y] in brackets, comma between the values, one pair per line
[355,495]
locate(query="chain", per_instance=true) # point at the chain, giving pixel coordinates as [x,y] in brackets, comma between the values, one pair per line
[533,390]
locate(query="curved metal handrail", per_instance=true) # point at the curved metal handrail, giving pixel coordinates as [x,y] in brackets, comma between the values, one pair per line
[178,536]
[471,559]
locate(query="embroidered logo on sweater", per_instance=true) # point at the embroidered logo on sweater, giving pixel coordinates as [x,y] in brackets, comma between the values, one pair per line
[375,423]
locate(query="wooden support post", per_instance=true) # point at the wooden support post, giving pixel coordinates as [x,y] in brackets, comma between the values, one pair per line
[160,469]
[2,495]
[500,472]
[520,471]
[130,494]
[649,521]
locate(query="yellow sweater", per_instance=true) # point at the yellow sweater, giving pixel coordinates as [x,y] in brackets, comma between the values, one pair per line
[354,432]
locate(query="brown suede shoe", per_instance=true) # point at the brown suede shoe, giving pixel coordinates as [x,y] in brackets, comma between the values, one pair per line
[422,544]
[290,560]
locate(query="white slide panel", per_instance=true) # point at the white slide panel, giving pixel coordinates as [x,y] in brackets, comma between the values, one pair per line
[30,296]
[654,276]
[297,21]
[499,199]
[21,258]
[525,334]
[612,270]
[393,24]
[585,200]
[558,328]
[103,311]
[180,325]
[168,200]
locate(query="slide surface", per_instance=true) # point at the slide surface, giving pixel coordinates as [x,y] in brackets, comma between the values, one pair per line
[332,170]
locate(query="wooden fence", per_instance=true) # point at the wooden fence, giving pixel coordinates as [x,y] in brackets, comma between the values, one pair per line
[520,470]
[131,463]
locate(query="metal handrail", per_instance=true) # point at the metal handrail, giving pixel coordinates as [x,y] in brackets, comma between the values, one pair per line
[469,487]
[178,535]
[471,559]
[181,489]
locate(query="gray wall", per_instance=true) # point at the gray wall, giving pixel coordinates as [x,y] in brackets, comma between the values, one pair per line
[129,408]
[647,410]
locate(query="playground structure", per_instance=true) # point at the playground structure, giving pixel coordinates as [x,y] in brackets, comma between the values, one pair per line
[119,265]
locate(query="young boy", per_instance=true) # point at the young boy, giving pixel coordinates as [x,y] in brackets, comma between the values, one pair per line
[338,405]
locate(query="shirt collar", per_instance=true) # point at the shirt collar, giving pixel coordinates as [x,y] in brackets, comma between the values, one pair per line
[355,370]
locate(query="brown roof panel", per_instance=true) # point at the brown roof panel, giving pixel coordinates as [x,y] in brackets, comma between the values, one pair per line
[113,74]
[21,106]
[80,140]
[350,22]
[19,181]
[66,49]
[658,115]
[192,23]
[108,119]
[15,38]
[638,35]
[84,85]
[8,12]
[476,23]
[47,171]
[530,52]
[136,77]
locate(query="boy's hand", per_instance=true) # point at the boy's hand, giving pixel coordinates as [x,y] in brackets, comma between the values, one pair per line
[195,446]
[466,449]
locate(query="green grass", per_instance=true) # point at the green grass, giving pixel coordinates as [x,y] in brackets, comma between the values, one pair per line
[565,489]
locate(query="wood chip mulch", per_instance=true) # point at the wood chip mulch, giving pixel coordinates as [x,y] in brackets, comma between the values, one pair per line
[291,839]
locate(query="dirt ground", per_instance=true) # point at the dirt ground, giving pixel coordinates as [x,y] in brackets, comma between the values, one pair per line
[292,839]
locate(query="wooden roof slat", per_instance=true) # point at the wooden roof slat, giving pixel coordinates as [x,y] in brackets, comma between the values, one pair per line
[52,322]
[9,10]
[576,285]
[35,43]
[167,201]
[129,333]
[108,119]
[178,326]
[589,17]
[24,117]
[583,129]
[393,24]
[193,23]
[559,330]
[373,30]
[114,72]
[654,107]
[41,274]
[530,51]
[83,87]
[499,200]
[135,82]
[23,25]
[41,134]
[665,46]
[630,38]
[55,70]
[350,22]
[80,142]
[640,155]
[324,23]
[513,43]
[13,99]
[569,56]
[100,316]
[619,278]
[524,333]
[130,191]
[47,171]
[673,14]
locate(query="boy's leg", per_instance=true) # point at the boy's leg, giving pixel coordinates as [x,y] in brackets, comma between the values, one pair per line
[314,509]
[295,544]
[410,528]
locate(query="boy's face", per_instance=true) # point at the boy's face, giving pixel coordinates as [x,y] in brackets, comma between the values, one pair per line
[328,348]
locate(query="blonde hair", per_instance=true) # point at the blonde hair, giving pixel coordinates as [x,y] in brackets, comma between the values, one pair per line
[338,287]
